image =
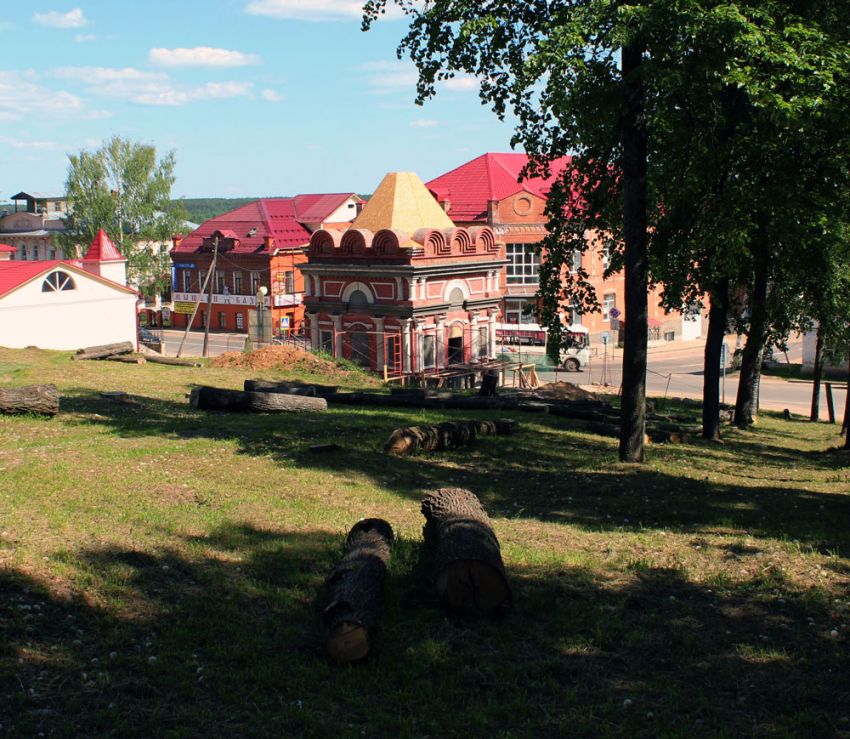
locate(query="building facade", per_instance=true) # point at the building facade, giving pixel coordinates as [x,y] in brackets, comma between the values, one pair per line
[31,227]
[404,290]
[488,191]
[260,245]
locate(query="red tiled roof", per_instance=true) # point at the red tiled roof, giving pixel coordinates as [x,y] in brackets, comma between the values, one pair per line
[13,274]
[102,249]
[278,218]
[491,176]
[7,248]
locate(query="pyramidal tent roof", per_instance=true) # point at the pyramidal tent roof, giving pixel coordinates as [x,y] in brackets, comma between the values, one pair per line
[7,248]
[403,203]
[492,176]
[102,249]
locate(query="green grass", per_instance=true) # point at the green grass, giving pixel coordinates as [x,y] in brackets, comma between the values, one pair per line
[160,570]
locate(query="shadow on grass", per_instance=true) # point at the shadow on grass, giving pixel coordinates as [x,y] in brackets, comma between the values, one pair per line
[551,470]
[222,640]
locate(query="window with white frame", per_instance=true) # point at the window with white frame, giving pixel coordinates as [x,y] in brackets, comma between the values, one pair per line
[288,282]
[22,251]
[57,282]
[608,302]
[483,342]
[429,353]
[34,252]
[255,282]
[219,282]
[187,280]
[523,264]
[240,322]
[237,283]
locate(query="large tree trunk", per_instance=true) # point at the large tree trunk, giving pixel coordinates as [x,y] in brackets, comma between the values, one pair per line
[717,320]
[845,426]
[354,591]
[748,378]
[447,435]
[294,388]
[42,400]
[238,401]
[103,350]
[459,537]
[635,257]
[817,376]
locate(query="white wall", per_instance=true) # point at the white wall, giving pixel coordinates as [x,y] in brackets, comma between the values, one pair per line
[691,326]
[92,314]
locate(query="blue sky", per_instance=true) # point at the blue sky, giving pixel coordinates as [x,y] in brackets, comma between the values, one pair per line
[256,97]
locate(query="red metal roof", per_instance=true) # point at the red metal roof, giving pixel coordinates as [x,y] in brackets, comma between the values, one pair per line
[102,249]
[13,274]
[280,219]
[492,176]
[7,248]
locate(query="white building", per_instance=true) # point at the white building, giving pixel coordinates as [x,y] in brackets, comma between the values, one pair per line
[67,304]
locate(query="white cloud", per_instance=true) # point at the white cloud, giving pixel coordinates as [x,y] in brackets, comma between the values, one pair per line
[387,77]
[315,10]
[31,145]
[271,96]
[99,75]
[21,99]
[84,38]
[173,96]
[460,84]
[201,56]
[6,26]
[54,19]
[424,123]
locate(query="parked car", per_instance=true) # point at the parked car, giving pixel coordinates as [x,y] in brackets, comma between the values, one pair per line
[149,339]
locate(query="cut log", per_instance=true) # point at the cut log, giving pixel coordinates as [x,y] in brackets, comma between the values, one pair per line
[468,568]
[156,359]
[447,435]
[125,358]
[293,388]
[286,389]
[104,350]
[238,401]
[42,400]
[354,591]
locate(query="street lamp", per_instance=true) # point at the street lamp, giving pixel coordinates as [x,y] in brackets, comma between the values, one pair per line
[261,304]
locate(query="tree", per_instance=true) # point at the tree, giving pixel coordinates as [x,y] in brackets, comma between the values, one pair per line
[123,189]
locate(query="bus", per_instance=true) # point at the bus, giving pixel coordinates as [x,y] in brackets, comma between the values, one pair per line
[573,359]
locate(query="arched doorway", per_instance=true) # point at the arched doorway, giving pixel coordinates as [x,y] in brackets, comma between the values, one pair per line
[455,346]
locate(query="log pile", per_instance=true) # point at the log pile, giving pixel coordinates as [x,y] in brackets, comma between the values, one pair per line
[354,591]
[447,435]
[463,548]
[42,400]
[238,401]
[103,351]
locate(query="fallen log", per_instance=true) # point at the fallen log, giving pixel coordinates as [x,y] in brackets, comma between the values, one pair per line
[238,401]
[460,541]
[42,400]
[157,359]
[354,591]
[292,388]
[446,435]
[124,358]
[104,350]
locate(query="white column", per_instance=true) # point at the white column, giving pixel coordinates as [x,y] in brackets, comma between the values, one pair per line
[440,348]
[416,341]
[411,288]
[423,289]
[489,282]
[318,283]
[473,323]
[308,285]
[314,329]
[379,343]
[337,321]
[398,288]
[491,349]
[405,344]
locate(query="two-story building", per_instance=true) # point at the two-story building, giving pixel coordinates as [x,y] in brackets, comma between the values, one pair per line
[259,245]
[32,225]
[488,191]
[404,288]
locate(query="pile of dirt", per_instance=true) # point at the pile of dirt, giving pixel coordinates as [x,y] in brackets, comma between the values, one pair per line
[285,358]
[563,391]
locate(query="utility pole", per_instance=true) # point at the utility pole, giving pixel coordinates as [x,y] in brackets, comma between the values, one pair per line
[192,317]
[209,296]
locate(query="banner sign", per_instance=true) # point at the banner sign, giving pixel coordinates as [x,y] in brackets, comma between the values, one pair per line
[184,308]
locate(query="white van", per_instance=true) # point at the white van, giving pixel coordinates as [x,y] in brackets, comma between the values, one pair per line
[573,359]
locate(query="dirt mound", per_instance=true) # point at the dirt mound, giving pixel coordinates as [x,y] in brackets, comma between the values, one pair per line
[563,391]
[280,358]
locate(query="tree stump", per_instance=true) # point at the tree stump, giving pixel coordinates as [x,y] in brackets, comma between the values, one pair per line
[42,400]
[354,591]
[459,537]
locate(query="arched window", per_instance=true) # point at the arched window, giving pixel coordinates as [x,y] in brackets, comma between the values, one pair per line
[456,298]
[57,282]
[357,300]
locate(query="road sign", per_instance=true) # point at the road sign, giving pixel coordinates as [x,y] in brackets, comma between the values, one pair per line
[614,313]
[184,308]
[605,337]
[284,322]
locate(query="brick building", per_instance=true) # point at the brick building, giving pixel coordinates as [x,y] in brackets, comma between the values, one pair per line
[487,191]
[31,227]
[260,245]
[404,287]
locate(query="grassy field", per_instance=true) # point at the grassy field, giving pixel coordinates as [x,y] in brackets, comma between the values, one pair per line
[160,569]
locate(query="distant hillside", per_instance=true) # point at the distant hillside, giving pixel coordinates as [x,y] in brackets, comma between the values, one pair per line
[202,209]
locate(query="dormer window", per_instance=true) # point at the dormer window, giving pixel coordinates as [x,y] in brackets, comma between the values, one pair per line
[57,282]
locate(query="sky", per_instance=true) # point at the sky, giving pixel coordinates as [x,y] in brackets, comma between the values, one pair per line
[255,97]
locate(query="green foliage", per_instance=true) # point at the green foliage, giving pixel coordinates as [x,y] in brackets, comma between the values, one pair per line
[123,189]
